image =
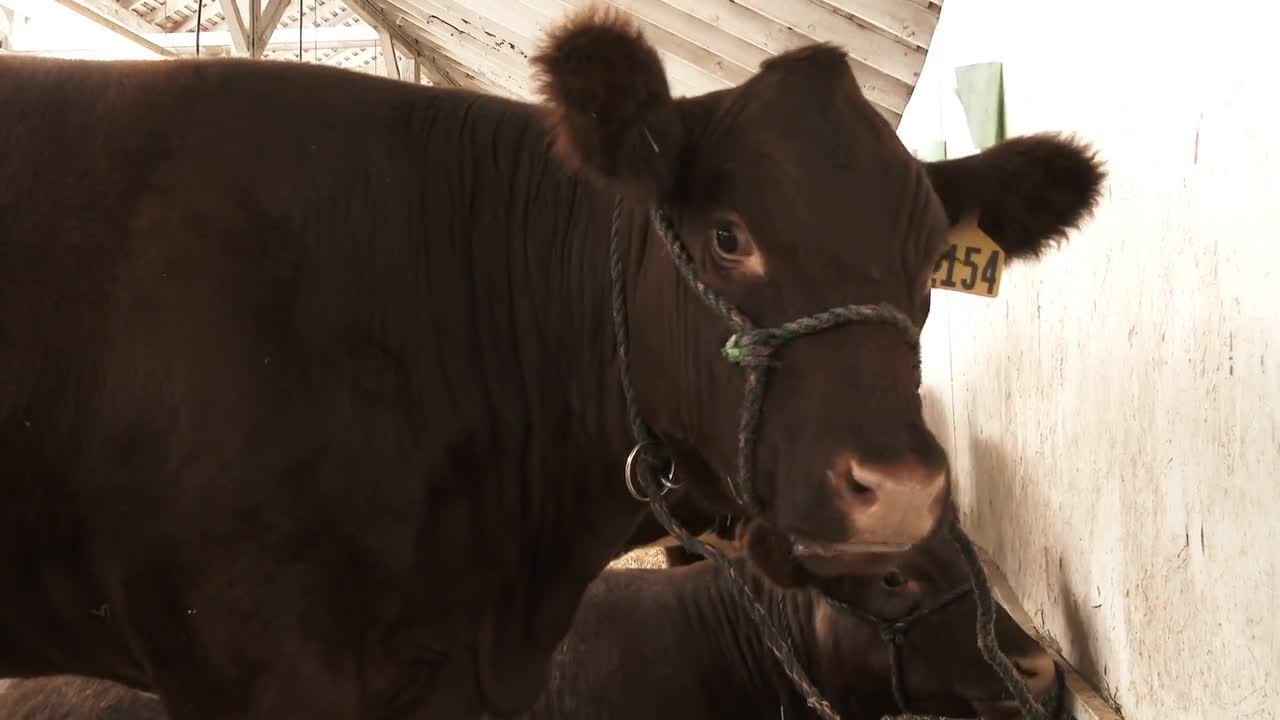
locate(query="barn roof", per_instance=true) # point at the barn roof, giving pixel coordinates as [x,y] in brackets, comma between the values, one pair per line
[485,44]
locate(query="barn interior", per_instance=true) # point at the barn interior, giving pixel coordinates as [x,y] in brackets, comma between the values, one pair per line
[1110,411]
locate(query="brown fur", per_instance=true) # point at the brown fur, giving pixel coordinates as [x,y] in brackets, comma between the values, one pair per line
[609,103]
[329,425]
[1029,191]
[676,644]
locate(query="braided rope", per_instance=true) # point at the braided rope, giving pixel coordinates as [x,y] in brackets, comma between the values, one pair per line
[773,638]
[621,331]
[893,632]
[752,349]
[987,642]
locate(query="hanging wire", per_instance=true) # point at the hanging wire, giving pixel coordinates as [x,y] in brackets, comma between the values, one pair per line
[199,22]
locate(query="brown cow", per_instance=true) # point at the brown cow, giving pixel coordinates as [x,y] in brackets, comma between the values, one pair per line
[309,379]
[677,644]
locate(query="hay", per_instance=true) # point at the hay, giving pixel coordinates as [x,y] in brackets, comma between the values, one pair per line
[642,558]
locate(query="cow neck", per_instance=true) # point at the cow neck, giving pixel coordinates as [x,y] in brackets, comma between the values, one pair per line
[548,417]
[554,292]
[737,659]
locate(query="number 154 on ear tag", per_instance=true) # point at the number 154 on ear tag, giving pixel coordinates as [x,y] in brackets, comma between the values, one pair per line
[972,262]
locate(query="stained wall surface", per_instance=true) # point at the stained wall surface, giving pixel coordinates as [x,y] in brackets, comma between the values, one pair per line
[1112,415]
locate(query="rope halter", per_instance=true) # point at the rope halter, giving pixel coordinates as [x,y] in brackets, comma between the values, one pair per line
[894,634]
[749,347]
[752,348]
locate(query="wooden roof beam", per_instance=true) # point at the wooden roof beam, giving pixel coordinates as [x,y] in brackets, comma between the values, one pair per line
[686,66]
[478,33]
[467,77]
[118,20]
[236,26]
[907,20]
[270,21]
[284,39]
[688,38]
[728,41]
[762,37]
[377,18]
[499,65]
[387,61]
[872,47]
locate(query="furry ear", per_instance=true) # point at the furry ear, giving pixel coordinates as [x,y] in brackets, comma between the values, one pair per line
[611,111]
[1028,192]
[770,551]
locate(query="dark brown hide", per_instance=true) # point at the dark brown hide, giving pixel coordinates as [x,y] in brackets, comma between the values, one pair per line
[677,644]
[309,404]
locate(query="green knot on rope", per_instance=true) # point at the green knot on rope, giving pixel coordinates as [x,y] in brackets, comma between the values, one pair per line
[731,351]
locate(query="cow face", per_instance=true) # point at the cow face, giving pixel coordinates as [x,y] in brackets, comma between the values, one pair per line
[942,669]
[792,196]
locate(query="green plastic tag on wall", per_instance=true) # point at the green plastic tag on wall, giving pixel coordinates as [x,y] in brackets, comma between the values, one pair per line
[980,88]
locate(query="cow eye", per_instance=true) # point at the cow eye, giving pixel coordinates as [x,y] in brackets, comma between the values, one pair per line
[893,580]
[727,241]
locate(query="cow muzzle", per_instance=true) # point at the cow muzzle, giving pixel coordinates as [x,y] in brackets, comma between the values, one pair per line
[888,508]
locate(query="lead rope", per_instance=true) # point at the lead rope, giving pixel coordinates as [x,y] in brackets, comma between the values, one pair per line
[894,634]
[987,643]
[776,643]
[752,348]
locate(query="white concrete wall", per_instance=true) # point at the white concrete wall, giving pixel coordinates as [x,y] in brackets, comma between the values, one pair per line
[1112,415]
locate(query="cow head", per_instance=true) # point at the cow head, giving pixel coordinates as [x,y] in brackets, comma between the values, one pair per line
[792,196]
[942,670]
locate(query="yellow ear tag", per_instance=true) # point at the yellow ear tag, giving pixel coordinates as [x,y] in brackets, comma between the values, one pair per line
[972,262]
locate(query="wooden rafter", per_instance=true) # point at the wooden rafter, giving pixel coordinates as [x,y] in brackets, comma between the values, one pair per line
[270,21]
[873,47]
[907,20]
[236,25]
[118,20]
[705,44]
[377,18]
[446,33]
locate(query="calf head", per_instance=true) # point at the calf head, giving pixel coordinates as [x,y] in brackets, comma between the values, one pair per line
[792,196]
[940,669]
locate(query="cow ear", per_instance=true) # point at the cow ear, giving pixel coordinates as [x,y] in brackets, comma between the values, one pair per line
[770,551]
[611,114]
[1027,192]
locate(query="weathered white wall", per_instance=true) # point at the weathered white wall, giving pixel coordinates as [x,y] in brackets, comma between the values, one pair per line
[1112,415]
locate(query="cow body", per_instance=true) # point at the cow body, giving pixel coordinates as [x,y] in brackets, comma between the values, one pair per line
[340,372]
[322,418]
[678,644]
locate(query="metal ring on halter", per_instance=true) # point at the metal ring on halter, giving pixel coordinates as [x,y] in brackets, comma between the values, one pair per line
[666,481]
